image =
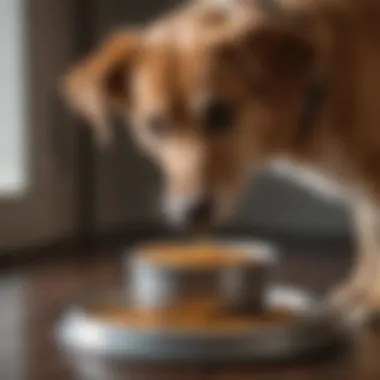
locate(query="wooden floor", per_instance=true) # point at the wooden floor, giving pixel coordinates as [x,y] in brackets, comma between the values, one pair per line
[32,297]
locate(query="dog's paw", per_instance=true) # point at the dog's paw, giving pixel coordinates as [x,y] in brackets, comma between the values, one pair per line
[357,307]
[365,312]
[345,296]
[349,304]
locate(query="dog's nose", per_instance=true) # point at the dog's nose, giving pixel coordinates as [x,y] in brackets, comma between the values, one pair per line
[201,211]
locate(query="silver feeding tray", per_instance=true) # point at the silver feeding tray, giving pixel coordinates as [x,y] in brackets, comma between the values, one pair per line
[314,332]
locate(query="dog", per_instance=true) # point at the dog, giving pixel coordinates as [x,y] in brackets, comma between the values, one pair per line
[218,89]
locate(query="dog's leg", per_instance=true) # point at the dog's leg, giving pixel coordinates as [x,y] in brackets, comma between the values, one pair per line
[367,307]
[350,296]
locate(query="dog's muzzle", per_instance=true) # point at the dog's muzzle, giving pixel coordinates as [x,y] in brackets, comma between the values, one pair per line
[189,212]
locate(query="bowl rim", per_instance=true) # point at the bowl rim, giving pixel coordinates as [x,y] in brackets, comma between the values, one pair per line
[261,252]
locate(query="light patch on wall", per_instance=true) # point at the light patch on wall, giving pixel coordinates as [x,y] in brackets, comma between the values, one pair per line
[13,139]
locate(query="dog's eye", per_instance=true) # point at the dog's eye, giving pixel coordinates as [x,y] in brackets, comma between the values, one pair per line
[158,127]
[219,117]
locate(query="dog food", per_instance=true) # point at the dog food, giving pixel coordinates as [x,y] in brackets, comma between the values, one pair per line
[196,256]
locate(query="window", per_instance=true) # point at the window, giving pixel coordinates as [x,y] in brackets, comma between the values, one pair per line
[12,106]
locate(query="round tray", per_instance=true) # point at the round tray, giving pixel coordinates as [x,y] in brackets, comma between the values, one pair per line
[313,331]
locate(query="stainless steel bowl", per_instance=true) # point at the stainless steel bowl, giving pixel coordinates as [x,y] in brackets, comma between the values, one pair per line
[157,288]
[238,287]
[313,331]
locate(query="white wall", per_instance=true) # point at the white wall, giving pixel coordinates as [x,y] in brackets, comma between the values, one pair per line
[12,110]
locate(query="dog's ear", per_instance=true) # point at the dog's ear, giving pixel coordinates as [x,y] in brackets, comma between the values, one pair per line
[101,82]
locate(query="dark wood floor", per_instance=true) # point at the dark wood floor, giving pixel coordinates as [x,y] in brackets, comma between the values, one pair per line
[32,297]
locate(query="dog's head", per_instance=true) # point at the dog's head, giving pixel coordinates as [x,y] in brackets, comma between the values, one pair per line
[208,93]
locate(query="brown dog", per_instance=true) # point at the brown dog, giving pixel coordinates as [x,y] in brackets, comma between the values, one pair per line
[220,87]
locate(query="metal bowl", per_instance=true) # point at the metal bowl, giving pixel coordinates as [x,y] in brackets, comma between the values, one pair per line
[239,287]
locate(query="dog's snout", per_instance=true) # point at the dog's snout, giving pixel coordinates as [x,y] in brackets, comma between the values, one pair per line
[201,211]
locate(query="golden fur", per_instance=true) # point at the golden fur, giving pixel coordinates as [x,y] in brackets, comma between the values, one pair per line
[162,76]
